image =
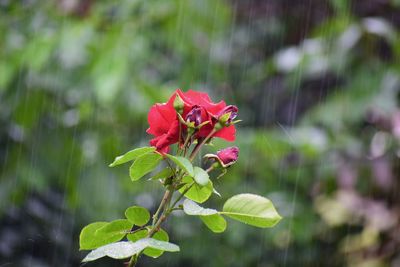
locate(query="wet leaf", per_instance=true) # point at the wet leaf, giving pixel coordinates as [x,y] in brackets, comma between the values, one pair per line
[210,217]
[115,228]
[161,235]
[90,238]
[137,215]
[251,209]
[165,173]
[131,155]
[196,193]
[200,176]
[183,163]
[143,165]
[126,249]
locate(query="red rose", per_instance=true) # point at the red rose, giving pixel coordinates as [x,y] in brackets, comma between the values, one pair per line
[198,108]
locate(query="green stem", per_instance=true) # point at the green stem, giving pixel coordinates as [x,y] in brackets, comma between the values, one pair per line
[210,168]
[137,230]
[162,204]
[180,134]
[133,261]
[198,147]
[163,217]
[179,140]
[165,206]
[188,137]
[181,196]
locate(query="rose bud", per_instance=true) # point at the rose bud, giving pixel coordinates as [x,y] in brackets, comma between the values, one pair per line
[194,116]
[226,157]
[179,104]
[226,116]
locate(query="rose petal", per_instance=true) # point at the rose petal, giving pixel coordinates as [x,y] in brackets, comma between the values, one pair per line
[164,123]
[163,142]
[202,99]
[227,133]
[160,117]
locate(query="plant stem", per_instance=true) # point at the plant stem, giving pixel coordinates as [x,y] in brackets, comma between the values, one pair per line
[210,168]
[133,261]
[165,206]
[137,230]
[180,134]
[163,216]
[197,148]
[181,196]
[162,204]
[188,137]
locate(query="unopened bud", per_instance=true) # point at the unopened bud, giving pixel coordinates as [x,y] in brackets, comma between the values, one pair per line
[225,157]
[194,116]
[179,104]
[227,115]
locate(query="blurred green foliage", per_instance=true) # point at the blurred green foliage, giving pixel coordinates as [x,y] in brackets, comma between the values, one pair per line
[317,85]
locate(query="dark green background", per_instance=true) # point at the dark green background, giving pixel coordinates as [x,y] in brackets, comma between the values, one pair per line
[317,85]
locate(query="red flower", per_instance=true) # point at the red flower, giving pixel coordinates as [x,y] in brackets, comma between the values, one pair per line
[164,123]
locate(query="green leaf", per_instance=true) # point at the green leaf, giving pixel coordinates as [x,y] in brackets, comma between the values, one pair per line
[161,235]
[137,235]
[210,217]
[215,223]
[165,173]
[131,155]
[251,209]
[197,193]
[137,215]
[143,165]
[183,163]
[201,176]
[87,239]
[119,250]
[161,245]
[151,252]
[126,249]
[191,208]
[116,228]
[91,238]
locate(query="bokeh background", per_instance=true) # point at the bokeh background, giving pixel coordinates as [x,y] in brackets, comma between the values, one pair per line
[317,84]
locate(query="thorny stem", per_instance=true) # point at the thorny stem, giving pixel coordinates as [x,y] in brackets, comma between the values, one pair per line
[163,216]
[162,204]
